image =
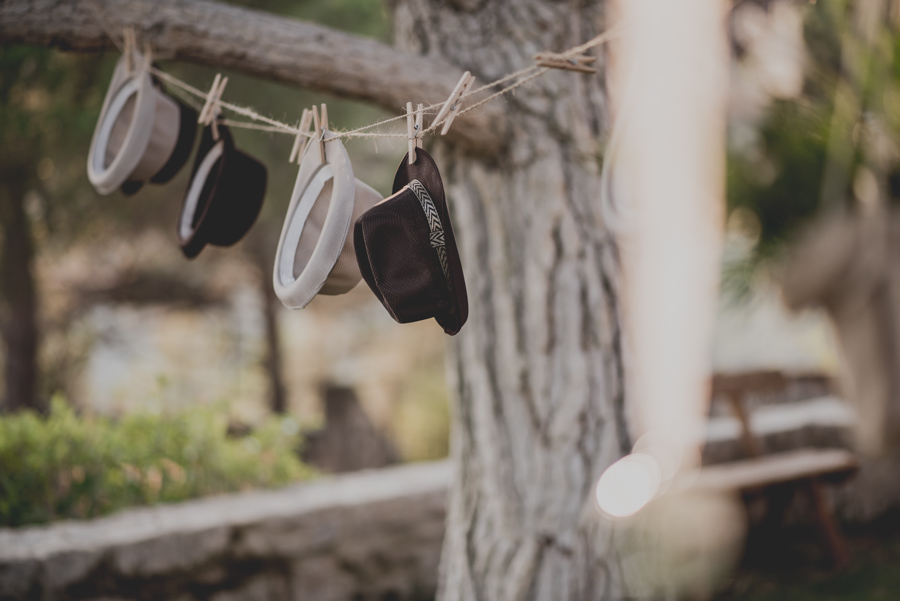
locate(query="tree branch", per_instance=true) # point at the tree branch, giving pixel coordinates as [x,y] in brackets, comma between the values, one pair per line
[257,43]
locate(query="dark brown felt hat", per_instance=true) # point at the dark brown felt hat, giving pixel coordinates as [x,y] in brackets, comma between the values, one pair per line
[407,252]
[224,196]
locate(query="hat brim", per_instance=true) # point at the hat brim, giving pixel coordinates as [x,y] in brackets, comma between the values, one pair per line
[177,150]
[224,196]
[106,177]
[327,263]
[143,134]
[397,257]
[426,171]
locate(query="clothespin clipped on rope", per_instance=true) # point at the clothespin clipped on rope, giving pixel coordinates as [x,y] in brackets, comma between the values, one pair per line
[451,108]
[323,113]
[414,130]
[302,136]
[210,110]
[321,122]
[577,63]
[148,55]
[420,111]
[129,47]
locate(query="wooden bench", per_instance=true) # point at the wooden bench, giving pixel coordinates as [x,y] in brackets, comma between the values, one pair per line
[777,475]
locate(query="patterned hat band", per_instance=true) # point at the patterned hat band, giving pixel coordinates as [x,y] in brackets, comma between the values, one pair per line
[434,224]
[412,264]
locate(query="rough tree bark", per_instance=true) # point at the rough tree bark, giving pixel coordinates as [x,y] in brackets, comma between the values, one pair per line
[537,372]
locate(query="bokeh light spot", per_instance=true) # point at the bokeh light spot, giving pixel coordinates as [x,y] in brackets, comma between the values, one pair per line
[628,485]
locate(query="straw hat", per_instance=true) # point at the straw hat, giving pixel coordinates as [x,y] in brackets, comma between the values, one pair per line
[142,133]
[315,252]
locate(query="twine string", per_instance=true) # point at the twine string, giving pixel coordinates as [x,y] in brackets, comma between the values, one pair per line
[259,122]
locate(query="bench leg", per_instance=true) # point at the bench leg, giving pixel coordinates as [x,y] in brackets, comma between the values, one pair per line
[837,546]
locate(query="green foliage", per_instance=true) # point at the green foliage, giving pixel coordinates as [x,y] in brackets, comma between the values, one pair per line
[69,466]
[363,17]
[779,179]
[50,103]
[781,185]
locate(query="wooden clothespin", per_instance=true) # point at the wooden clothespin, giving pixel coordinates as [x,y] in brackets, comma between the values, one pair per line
[577,63]
[129,46]
[420,111]
[148,55]
[451,107]
[302,135]
[414,131]
[210,110]
[410,134]
[321,123]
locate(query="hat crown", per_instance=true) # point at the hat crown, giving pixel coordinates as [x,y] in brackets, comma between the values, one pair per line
[315,251]
[224,197]
[407,251]
[393,246]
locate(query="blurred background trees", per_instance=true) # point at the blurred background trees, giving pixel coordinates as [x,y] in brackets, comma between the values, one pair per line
[39,125]
[814,117]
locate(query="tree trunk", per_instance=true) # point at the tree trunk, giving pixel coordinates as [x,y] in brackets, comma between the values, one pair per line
[272,362]
[537,371]
[18,300]
[263,256]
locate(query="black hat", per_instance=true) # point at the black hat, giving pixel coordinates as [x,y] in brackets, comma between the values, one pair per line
[407,252]
[224,196]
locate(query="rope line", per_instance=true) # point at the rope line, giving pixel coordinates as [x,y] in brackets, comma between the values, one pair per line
[240,110]
[267,124]
[524,80]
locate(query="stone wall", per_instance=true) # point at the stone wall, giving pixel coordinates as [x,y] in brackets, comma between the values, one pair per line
[373,535]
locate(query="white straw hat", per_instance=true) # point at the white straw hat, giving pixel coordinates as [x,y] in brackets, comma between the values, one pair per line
[142,133]
[315,252]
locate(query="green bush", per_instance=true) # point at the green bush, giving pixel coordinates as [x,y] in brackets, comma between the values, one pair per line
[68,466]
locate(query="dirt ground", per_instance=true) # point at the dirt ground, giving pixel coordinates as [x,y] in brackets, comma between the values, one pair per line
[794,566]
